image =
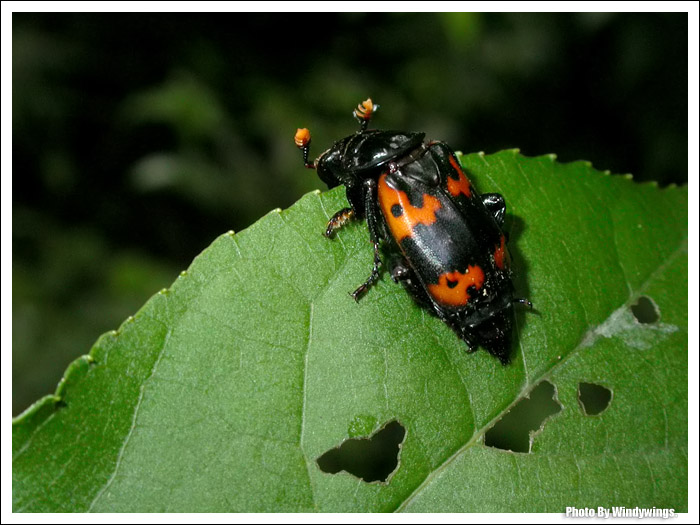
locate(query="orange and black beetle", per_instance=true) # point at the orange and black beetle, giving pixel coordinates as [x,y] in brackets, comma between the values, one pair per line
[445,240]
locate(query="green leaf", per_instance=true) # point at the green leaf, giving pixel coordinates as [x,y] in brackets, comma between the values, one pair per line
[222,392]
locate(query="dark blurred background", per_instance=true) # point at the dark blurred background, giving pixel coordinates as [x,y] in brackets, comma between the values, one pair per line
[138,138]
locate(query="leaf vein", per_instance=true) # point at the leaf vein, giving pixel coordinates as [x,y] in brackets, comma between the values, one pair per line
[303,403]
[139,401]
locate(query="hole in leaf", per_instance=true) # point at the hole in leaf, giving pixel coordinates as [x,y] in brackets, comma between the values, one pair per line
[594,399]
[370,459]
[515,430]
[645,310]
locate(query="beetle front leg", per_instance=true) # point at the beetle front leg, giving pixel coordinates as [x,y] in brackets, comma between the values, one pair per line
[371,211]
[339,219]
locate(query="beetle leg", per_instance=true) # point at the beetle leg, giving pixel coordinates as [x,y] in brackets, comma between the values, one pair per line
[523,301]
[360,291]
[469,340]
[400,271]
[496,205]
[339,219]
[371,211]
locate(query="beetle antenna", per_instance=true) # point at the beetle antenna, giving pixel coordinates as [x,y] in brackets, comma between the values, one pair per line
[364,112]
[302,139]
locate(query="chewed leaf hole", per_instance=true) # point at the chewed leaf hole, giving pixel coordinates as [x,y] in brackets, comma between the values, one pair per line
[645,310]
[594,399]
[372,458]
[515,430]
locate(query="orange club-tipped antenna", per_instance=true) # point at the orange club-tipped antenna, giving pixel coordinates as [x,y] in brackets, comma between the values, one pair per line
[302,138]
[364,112]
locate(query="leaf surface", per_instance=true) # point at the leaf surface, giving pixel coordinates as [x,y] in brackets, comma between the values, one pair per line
[223,390]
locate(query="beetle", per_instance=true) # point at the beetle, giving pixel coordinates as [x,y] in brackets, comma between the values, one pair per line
[445,241]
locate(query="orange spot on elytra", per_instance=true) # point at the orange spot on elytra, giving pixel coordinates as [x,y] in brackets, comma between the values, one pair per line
[461,185]
[500,256]
[410,216]
[451,289]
